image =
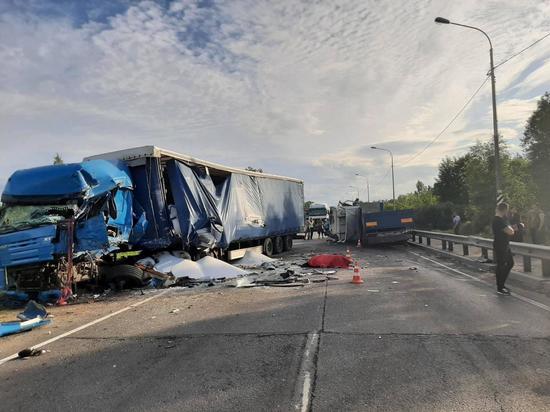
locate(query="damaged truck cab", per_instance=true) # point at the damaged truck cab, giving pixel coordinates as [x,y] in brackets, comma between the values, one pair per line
[51,212]
[70,221]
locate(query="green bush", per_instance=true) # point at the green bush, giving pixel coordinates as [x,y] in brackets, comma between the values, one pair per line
[438,216]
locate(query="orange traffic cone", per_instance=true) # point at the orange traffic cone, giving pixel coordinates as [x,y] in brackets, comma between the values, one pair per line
[357,280]
[348,254]
[358,242]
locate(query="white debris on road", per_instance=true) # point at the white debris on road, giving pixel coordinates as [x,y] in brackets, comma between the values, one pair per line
[253,259]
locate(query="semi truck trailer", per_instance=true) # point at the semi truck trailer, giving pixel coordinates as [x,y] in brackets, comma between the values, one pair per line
[73,221]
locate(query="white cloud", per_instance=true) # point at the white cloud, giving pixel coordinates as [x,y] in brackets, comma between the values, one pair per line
[293,87]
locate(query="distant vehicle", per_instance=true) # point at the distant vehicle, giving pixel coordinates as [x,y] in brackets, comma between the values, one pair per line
[75,218]
[349,223]
[318,211]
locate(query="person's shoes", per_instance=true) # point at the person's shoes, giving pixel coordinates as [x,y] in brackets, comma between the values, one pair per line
[503,291]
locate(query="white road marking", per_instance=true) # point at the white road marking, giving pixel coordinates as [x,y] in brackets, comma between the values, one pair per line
[514,295]
[87,325]
[306,371]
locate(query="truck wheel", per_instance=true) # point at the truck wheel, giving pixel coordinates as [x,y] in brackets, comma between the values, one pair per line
[122,276]
[268,246]
[287,243]
[278,245]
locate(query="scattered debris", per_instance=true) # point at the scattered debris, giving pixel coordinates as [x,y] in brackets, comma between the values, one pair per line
[373,290]
[267,266]
[253,259]
[413,268]
[32,317]
[33,310]
[28,352]
[174,311]
[395,282]
[10,328]
[287,274]
[244,282]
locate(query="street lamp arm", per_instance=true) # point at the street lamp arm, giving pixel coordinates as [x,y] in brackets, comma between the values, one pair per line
[475,28]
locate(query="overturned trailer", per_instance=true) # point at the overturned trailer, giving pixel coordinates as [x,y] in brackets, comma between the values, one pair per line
[352,224]
[71,221]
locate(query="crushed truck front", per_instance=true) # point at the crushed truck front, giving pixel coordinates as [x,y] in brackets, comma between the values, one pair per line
[42,205]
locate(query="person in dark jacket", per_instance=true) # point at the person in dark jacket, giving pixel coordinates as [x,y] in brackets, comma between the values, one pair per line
[502,232]
[517,224]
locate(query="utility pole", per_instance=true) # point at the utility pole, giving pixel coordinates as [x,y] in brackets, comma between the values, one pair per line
[498,175]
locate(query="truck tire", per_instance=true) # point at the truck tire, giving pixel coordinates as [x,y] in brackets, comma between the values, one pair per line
[278,245]
[287,243]
[268,246]
[122,276]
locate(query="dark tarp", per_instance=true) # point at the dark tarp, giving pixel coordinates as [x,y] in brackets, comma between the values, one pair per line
[196,205]
[245,207]
[149,194]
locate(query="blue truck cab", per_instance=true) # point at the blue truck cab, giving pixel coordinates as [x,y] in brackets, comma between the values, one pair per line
[39,204]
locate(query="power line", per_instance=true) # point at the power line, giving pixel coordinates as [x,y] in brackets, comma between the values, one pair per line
[522,50]
[465,105]
[448,124]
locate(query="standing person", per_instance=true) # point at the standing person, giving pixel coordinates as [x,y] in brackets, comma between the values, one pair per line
[456,223]
[319,228]
[311,229]
[306,229]
[535,223]
[326,227]
[502,233]
[517,225]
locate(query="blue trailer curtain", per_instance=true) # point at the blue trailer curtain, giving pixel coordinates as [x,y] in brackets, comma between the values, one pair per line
[233,207]
[149,194]
[196,205]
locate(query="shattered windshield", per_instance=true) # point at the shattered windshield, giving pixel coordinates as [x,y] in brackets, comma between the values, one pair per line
[17,217]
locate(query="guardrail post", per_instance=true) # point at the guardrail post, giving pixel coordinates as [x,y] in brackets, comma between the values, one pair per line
[414,237]
[450,247]
[444,244]
[527,264]
[484,253]
[545,268]
[419,239]
[465,250]
[428,241]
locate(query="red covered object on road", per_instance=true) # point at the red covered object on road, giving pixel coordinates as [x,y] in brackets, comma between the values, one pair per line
[329,261]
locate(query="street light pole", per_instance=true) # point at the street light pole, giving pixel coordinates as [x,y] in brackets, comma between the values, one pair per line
[368,191]
[392,174]
[368,187]
[498,176]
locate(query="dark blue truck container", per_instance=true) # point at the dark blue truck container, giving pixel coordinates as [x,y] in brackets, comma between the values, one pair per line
[387,226]
[144,198]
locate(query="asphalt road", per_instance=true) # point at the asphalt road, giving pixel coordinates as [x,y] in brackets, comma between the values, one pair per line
[416,336]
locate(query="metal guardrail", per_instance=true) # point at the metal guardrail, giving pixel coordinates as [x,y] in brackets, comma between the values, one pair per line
[526,250]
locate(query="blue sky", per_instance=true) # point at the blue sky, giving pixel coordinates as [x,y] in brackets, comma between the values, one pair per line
[297,88]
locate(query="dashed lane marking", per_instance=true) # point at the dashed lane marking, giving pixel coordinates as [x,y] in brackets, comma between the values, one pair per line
[307,371]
